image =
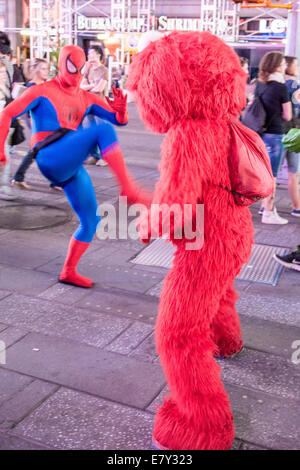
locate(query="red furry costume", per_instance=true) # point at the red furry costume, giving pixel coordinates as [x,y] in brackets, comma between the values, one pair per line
[187,85]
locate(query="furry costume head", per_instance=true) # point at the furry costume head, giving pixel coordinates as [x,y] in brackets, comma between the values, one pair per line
[186,75]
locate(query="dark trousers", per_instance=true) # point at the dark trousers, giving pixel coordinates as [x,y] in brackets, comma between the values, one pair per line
[26,162]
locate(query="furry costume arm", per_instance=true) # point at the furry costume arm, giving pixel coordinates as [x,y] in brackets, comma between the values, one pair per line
[183,170]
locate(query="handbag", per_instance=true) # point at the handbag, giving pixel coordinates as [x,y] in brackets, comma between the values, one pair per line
[18,135]
[249,164]
[255,115]
[291,140]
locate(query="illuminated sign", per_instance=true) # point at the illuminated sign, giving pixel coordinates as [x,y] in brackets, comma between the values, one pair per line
[163,23]
[274,26]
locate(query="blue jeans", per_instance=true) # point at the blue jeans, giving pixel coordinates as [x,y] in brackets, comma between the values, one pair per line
[20,173]
[293,160]
[275,150]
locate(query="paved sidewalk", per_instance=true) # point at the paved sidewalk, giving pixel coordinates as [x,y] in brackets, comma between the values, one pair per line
[81,369]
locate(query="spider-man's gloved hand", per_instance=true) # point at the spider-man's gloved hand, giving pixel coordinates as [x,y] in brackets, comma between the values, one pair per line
[119,105]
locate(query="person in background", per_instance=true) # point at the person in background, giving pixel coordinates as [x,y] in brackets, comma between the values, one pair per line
[96,74]
[273,92]
[293,159]
[18,76]
[117,73]
[5,55]
[39,73]
[5,97]
[95,81]
[245,64]
[291,260]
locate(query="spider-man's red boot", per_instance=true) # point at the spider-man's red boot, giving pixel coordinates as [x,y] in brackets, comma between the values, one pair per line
[69,274]
[135,194]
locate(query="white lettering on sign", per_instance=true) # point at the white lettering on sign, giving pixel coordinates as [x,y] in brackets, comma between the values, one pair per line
[273,26]
[163,24]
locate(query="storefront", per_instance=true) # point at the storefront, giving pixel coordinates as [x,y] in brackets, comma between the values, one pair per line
[256,37]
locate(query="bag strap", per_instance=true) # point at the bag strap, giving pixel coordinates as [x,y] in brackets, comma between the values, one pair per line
[56,135]
[9,80]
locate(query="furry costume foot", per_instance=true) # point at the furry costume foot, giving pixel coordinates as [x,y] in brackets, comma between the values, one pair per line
[230,355]
[213,430]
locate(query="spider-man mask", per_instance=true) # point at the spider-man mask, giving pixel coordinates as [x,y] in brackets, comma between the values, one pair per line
[71,62]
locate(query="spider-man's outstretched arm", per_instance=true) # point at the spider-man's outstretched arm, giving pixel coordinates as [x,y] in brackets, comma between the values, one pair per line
[116,112]
[113,111]
[29,100]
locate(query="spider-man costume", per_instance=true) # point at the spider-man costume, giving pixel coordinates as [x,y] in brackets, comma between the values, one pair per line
[60,103]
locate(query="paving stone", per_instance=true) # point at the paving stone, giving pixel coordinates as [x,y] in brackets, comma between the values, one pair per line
[264,420]
[101,373]
[23,402]
[108,265]
[267,336]
[122,304]
[158,401]
[21,311]
[286,236]
[248,446]
[12,334]
[265,372]
[146,351]
[8,442]
[96,329]
[269,307]
[11,383]
[122,278]
[63,293]
[4,293]
[16,254]
[3,327]
[24,280]
[236,445]
[43,239]
[130,338]
[73,420]
[95,255]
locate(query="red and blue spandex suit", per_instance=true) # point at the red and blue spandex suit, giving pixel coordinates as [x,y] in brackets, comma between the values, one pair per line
[60,103]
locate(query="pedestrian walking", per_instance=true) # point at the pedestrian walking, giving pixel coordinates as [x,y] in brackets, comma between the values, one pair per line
[291,260]
[293,159]
[273,93]
[95,81]
[39,73]
[5,97]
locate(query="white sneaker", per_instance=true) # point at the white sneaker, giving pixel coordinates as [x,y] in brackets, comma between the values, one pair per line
[272,217]
[101,163]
